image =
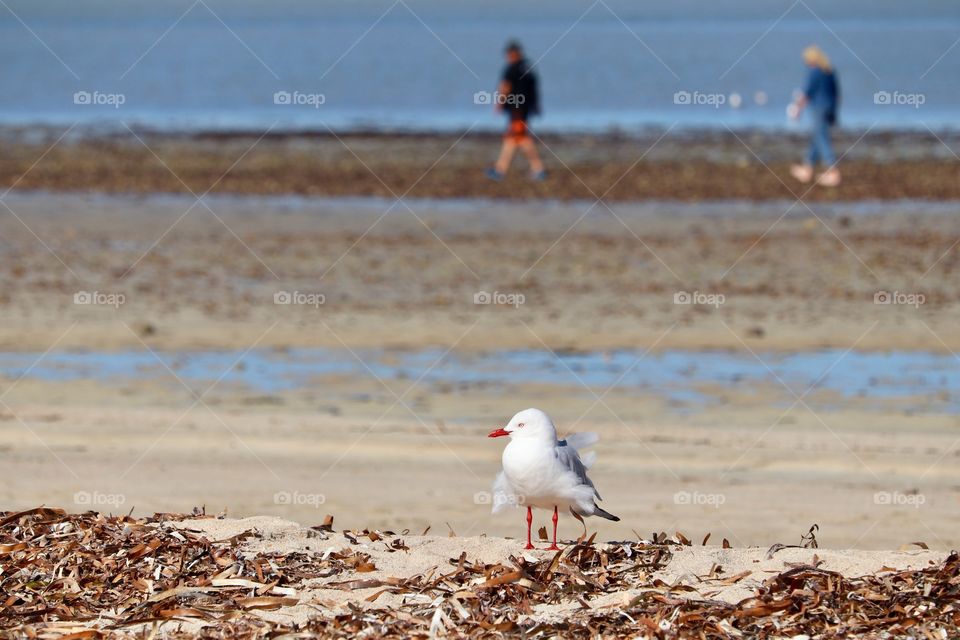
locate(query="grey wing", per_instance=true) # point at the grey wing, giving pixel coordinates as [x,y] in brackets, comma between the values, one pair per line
[570,459]
[580,441]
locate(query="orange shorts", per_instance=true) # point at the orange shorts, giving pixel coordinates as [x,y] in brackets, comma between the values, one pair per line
[517,130]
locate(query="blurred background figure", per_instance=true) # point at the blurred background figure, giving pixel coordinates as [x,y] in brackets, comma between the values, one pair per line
[519,97]
[822,94]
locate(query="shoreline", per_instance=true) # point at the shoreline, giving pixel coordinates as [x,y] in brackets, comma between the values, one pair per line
[684,166]
[117,128]
[718,208]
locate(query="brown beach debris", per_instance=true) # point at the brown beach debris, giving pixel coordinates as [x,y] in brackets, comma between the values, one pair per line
[90,575]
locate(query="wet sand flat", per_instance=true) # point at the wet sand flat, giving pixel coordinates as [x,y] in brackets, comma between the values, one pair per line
[673,165]
[233,273]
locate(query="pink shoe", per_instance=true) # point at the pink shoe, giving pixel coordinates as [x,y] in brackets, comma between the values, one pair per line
[802,172]
[829,178]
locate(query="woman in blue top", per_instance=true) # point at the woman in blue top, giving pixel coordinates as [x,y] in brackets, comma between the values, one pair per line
[822,95]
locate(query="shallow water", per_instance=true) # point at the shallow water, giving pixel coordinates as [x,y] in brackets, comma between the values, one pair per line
[923,381]
[380,64]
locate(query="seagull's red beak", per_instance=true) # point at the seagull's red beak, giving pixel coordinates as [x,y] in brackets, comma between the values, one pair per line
[498,432]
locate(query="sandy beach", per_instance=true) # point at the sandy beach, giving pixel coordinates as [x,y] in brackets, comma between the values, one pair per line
[112,302]
[873,470]
[301,342]
[293,295]
[869,480]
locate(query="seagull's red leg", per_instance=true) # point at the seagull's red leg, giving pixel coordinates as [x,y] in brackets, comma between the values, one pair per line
[554,546]
[529,525]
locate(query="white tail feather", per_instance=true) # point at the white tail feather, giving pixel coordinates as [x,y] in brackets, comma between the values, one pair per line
[582,440]
[588,458]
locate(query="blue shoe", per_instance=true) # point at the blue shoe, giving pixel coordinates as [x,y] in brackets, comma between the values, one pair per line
[539,176]
[493,174]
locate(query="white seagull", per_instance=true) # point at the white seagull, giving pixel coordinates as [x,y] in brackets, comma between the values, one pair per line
[541,471]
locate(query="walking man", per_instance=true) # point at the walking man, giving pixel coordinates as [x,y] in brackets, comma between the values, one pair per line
[517,96]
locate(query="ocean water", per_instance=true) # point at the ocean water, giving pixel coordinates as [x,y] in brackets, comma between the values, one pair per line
[915,381]
[196,65]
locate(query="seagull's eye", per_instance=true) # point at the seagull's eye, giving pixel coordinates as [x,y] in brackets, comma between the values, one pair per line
[519,425]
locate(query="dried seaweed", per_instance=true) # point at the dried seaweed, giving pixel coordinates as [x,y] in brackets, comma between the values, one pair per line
[60,568]
[90,575]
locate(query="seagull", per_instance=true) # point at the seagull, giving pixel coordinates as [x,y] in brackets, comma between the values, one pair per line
[541,471]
